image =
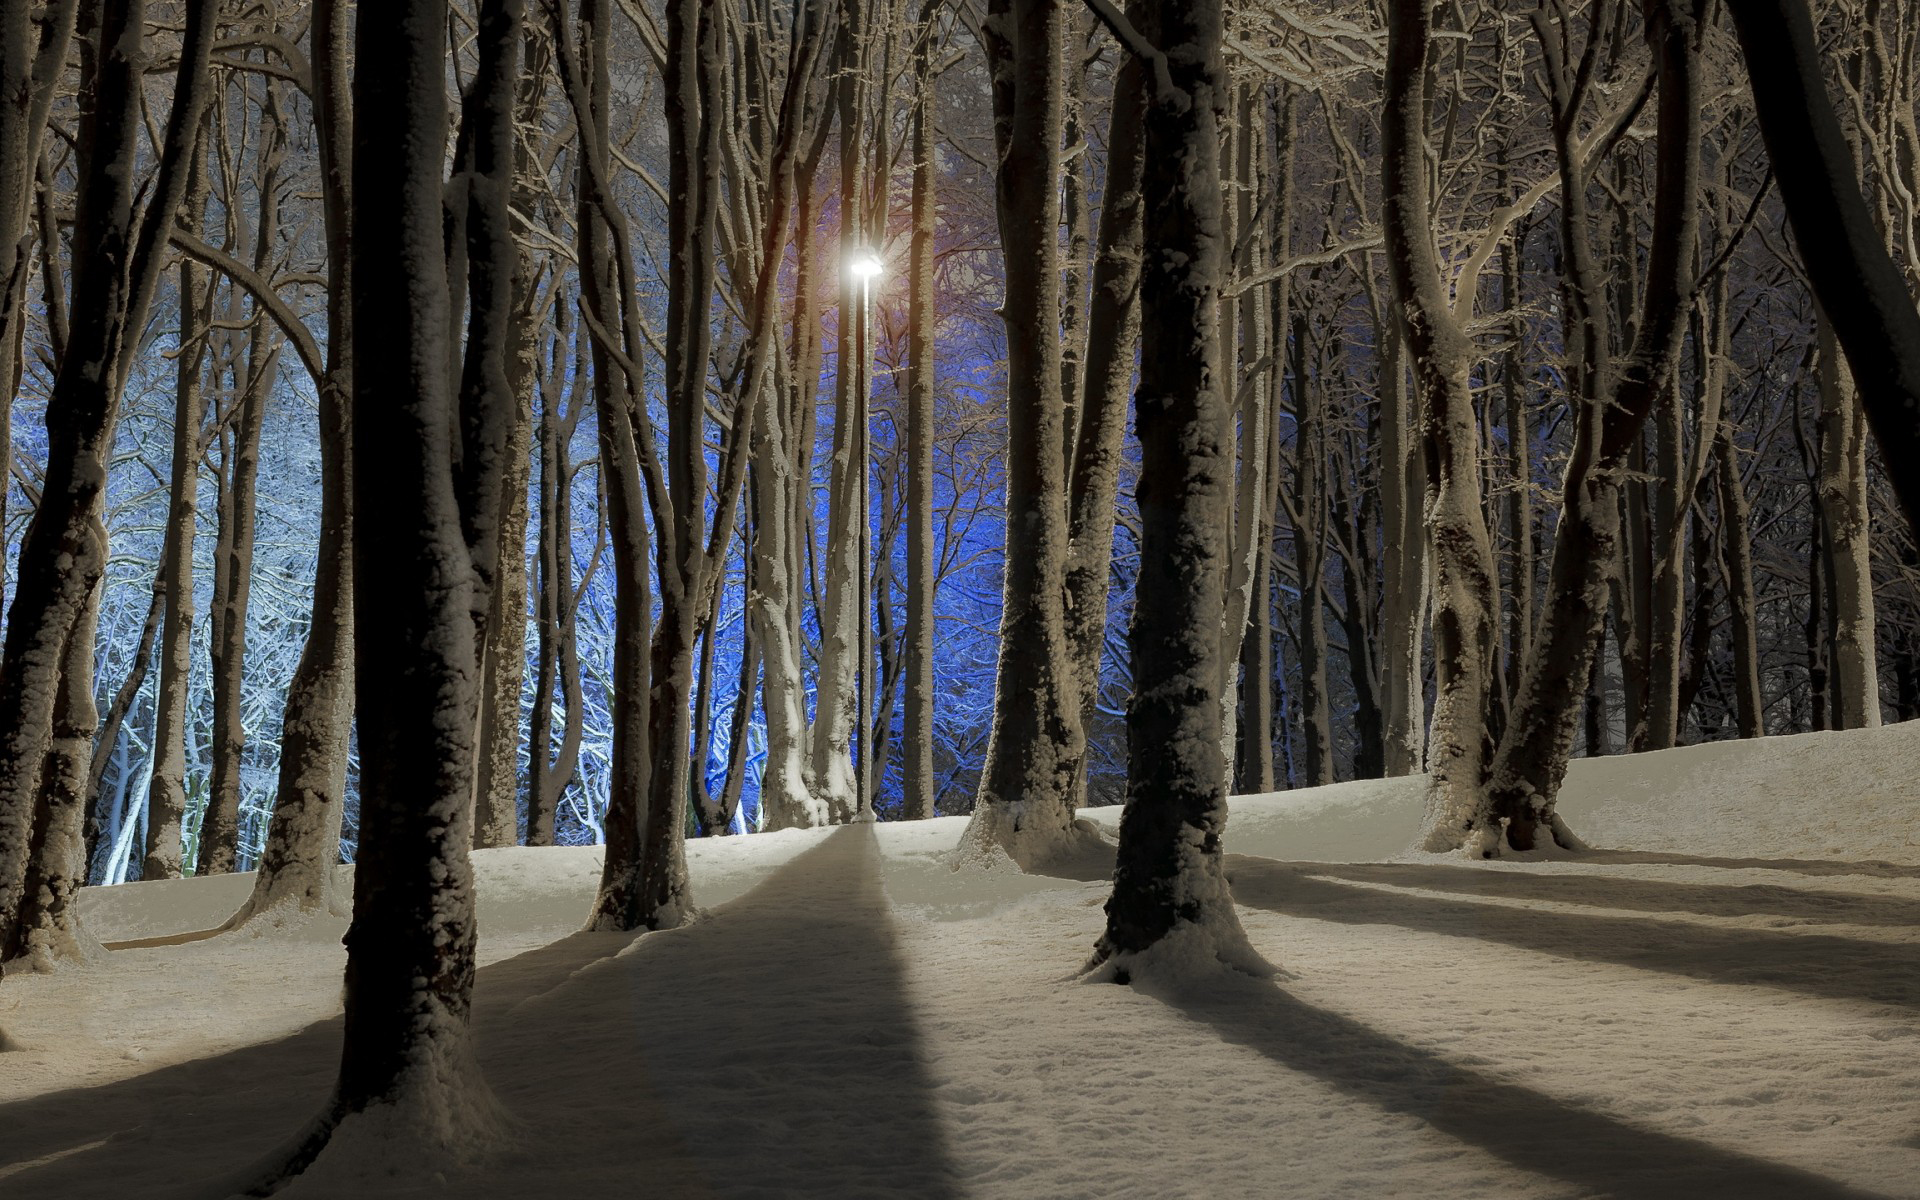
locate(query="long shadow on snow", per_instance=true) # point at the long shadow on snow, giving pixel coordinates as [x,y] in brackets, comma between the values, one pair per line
[153,1134]
[1638,895]
[1873,867]
[1523,1127]
[781,1030]
[1818,965]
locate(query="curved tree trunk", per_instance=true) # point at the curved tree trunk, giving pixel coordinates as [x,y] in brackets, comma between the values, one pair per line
[1458,545]
[1533,754]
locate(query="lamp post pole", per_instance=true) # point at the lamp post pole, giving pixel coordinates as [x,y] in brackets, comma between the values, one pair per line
[866,267]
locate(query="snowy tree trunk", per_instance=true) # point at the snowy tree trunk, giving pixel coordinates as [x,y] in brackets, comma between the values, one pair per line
[1310,558]
[1169,887]
[918,794]
[621,420]
[490,470]
[1113,332]
[1854,682]
[660,898]
[167,792]
[1533,753]
[1460,550]
[1264,321]
[1251,409]
[410,964]
[220,828]
[836,699]
[553,771]
[1025,802]
[33,57]
[115,269]
[1743,607]
[1672,499]
[303,836]
[1405,594]
[49,931]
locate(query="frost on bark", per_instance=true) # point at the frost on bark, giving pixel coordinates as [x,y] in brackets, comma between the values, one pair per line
[303,835]
[1025,802]
[1171,908]
[1458,545]
[117,262]
[1611,408]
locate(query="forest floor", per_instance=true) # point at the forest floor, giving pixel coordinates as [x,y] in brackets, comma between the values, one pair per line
[1723,1003]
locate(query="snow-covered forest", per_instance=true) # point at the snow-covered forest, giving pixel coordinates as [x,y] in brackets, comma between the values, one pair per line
[505,480]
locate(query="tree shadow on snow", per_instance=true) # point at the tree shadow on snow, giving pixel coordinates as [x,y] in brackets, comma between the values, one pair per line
[1788,904]
[1874,868]
[780,1030]
[172,1129]
[768,1050]
[1818,965]
[1525,1128]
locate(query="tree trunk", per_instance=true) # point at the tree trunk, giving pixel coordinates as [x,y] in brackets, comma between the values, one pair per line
[1854,684]
[49,930]
[837,699]
[1025,802]
[1460,549]
[1737,542]
[497,788]
[1310,558]
[220,828]
[553,772]
[918,793]
[167,791]
[1533,754]
[1113,332]
[1170,877]
[1406,593]
[303,836]
[115,269]
[410,964]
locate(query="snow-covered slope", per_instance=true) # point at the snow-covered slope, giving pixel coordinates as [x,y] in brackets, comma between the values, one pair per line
[1726,1002]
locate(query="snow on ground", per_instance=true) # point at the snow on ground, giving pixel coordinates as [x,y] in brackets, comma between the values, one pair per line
[1724,1002]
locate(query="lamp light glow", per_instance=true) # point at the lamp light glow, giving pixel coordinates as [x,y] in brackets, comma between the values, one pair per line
[865,265]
